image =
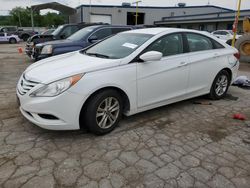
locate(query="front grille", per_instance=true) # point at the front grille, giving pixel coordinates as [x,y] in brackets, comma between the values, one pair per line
[25,85]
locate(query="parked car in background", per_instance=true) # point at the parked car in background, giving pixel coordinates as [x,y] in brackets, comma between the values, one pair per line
[22,34]
[128,73]
[79,40]
[225,35]
[9,38]
[62,32]
[48,32]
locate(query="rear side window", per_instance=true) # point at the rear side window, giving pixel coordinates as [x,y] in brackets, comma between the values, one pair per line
[198,42]
[217,45]
[119,29]
[103,33]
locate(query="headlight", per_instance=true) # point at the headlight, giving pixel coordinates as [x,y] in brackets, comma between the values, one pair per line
[57,87]
[47,49]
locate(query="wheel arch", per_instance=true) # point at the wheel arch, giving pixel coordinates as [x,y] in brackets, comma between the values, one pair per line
[11,38]
[229,72]
[125,99]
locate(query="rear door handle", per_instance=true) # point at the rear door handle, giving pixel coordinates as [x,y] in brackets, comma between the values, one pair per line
[183,64]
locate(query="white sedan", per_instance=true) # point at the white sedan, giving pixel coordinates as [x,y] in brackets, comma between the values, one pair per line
[10,38]
[225,35]
[128,73]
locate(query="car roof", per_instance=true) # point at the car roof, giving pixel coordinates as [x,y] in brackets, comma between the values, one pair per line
[222,30]
[158,30]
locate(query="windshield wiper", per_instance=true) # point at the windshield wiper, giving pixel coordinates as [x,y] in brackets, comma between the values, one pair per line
[97,55]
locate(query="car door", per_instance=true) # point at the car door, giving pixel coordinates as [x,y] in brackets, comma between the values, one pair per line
[204,62]
[159,81]
[2,37]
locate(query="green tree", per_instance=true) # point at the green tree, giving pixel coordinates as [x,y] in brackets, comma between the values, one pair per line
[22,17]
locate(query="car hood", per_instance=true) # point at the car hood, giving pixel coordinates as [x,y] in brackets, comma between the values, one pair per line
[62,66]
[39,36]
[61,43]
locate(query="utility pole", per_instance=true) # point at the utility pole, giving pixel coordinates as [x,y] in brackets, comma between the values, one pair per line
[136,16]
[235,26]
[19,19]
[90,4]
[32,18]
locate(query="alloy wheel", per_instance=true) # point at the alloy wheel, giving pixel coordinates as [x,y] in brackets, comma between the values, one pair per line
[107,112]
[221,85]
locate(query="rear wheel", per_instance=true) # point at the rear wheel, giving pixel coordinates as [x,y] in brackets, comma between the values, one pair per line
[103,112]
[12,41]
[25,37]
[220,85]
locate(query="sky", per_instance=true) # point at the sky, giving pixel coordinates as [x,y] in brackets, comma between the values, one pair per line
[7,5]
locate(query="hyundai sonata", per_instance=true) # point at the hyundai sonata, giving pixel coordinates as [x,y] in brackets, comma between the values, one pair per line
[126,74]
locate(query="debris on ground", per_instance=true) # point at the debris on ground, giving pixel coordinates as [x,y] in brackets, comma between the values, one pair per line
[246,140]
[242,82]
[247,123]
[239,116]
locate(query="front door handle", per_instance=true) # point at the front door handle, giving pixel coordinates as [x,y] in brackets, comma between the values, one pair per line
[182,64]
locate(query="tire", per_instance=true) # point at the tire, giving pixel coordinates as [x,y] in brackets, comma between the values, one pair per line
[25,37]
[245,39]
[12,41]
[105,120]
[215,92]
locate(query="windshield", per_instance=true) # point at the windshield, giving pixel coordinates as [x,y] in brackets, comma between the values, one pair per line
[57,31]
[118,46]
[231,32]
[79,35]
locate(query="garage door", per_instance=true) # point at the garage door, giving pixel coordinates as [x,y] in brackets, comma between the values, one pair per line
[100,18]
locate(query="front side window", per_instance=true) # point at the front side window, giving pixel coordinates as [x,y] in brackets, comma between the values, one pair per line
[103,33]
[168,45]
[69,30]
[58,30]
[198,42]
[224,33]
[216,33]
[118,46]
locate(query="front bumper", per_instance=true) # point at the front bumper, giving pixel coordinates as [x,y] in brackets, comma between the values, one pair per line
[54,113]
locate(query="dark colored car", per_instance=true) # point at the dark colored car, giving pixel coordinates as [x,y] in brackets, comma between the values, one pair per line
[62,32]
[81,39]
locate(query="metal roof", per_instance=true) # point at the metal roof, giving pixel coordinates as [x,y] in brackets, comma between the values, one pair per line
[154,7]
[55,6]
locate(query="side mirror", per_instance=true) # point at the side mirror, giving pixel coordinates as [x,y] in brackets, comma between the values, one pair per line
[151,56]
[93,39]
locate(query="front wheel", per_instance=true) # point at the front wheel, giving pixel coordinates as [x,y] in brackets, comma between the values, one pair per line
[103,112]
[220,85]
[12,41]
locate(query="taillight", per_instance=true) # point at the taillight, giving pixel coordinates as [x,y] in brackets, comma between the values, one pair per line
[237,55]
